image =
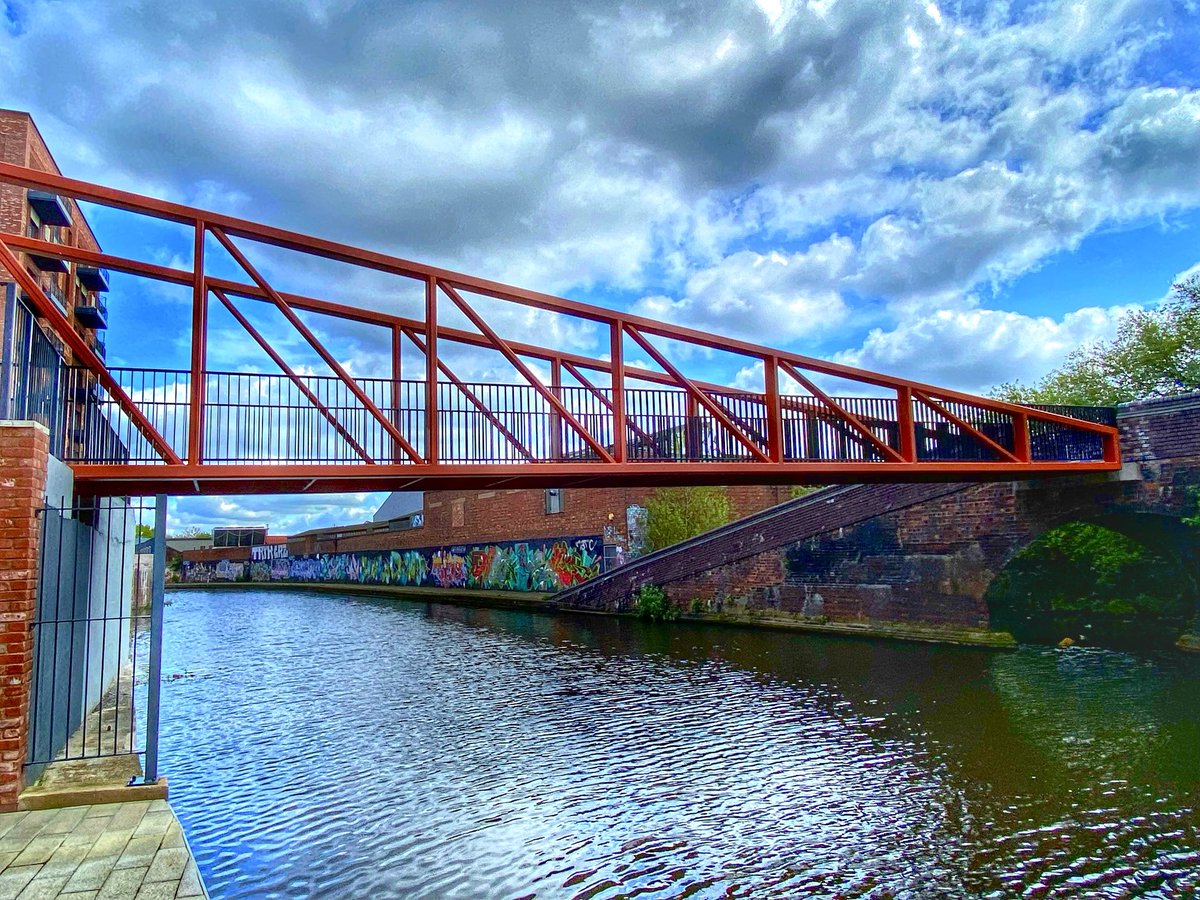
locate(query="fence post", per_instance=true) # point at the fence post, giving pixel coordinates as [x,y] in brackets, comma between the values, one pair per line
[154,679]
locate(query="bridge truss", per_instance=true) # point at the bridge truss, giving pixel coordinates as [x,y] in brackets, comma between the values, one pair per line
[571,419]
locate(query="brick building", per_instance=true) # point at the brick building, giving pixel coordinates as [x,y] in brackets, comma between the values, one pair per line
[475,517]
[77,290]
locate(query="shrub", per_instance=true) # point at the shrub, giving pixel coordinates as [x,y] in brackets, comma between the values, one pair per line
[652,603]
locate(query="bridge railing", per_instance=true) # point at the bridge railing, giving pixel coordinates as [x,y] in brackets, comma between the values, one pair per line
[261,418]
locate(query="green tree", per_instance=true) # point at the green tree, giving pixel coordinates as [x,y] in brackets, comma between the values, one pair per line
[142,532]
[1156,354]
[676,514]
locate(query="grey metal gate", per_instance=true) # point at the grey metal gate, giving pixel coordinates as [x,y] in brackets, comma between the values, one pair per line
[97,634]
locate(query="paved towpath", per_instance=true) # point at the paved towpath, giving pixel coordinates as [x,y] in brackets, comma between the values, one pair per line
[114,851]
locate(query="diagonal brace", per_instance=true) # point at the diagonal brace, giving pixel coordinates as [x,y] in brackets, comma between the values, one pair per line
[293,377]
[715,410]
[886,450]
[306,333]
[500,344]
[475,401]
[608,404]
[85,354]
[964,426]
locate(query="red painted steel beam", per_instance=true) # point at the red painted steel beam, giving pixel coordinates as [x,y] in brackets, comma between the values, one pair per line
[432,433]
[475,401]
[83,353]
[842,414]
[498,343]
[216,479]
[313,342]
[199,365]
[714,409]
[294,378]
[370,259]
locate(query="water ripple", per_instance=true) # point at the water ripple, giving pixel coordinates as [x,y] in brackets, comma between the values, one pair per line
[358,748]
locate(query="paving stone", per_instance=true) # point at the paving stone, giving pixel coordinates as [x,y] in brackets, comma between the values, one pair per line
[80,895]
[8,821]
[174,836]
[168,864]
[66,820]
[27,829]
[155,823]
[102,810]
[7,858]
[122,884]
[44,887]
[190,885]
[39,850]
[66,860]
[128,815]
[110,843]
[160,806]
[91,874]
[138,852]
[13,881]
[86,832]
[159,890]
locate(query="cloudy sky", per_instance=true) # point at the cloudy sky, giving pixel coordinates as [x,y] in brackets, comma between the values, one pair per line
[956,192]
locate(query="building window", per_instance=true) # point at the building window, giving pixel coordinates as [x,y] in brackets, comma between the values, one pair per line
[554,501]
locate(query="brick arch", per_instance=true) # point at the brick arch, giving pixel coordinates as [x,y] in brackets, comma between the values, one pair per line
[1160,530]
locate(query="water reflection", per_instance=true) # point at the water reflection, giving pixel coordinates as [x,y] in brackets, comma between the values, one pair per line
[373,748]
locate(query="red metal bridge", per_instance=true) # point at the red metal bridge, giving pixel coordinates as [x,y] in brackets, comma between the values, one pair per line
[569,419]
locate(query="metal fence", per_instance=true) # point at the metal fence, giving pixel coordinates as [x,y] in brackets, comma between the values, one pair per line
[96,636]
[260,418]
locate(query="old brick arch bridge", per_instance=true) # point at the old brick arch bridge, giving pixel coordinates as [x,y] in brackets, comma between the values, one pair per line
[917,560]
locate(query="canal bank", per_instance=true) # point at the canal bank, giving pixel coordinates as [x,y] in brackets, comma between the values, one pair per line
[744,617]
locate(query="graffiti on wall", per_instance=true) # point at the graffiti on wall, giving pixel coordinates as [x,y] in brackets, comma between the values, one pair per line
[535,565]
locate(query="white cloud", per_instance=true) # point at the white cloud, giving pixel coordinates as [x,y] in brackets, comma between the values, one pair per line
[976,349]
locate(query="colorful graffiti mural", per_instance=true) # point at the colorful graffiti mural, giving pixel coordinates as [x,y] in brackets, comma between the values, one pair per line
[535,565]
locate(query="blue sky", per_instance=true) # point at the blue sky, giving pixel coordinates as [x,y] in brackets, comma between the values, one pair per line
[956,192]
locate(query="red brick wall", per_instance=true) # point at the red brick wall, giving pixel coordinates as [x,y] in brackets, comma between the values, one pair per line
[24,449]
[21,144]
[501,515]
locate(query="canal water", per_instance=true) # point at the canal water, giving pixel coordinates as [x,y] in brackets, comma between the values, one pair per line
[344,747]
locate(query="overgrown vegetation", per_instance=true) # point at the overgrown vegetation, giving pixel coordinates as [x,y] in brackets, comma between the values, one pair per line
[1081,568]
[651,603]
[676,514]
[1156,354]
[803,490]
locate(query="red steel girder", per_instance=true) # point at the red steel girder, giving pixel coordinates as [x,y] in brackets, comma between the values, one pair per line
[294,378]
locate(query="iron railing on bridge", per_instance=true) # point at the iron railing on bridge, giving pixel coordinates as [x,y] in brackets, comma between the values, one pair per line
[260,418]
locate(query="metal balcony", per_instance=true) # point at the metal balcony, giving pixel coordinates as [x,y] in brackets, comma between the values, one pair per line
[50,208]
[92,315]
[48,264]
[92,278]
